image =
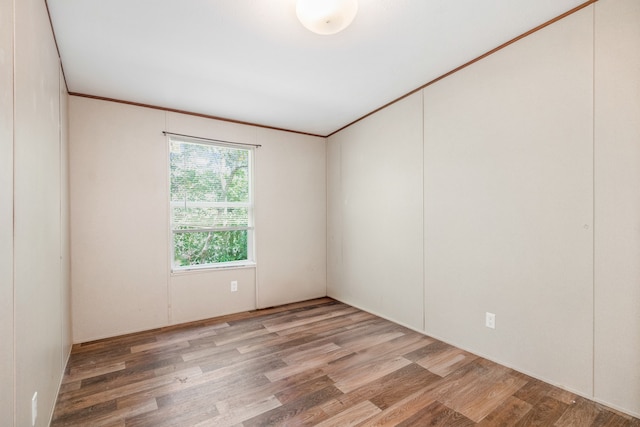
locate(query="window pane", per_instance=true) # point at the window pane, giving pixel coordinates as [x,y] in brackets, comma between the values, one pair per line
[208,173]
[209,247]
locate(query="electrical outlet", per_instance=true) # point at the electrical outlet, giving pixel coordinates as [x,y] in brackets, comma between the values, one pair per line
[34,408]
[490,320]
[234,286]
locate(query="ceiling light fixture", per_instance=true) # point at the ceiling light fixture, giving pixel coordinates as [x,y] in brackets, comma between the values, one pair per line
[326,16]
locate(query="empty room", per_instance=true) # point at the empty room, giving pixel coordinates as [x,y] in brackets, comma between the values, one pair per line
[314,212]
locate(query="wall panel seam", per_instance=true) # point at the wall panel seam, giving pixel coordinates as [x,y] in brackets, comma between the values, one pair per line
[593,200]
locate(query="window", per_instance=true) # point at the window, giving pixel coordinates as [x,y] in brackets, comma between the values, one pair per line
[211,204]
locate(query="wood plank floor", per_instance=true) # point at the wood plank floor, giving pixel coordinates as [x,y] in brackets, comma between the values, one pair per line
[319,362]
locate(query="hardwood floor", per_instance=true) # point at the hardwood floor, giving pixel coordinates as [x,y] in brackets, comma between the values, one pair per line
[319,363]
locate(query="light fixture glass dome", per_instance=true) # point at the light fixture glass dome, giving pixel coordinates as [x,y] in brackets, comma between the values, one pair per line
[326,16]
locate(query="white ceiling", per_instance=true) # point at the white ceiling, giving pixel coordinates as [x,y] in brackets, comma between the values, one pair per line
[252,61]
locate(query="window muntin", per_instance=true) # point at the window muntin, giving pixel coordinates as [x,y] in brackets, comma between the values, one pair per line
[211,204]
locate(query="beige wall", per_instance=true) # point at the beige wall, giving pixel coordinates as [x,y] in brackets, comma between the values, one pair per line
[375,213]
[510,197]
[119,190]
[617,203]
[6,212]
[508,205]
[119,274]
[34,264]
[290,218]
[65,226]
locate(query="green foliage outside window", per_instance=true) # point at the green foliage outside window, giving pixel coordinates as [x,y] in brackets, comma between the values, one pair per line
[210,247]
[210,203]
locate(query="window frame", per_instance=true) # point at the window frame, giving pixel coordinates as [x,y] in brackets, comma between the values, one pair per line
[250,205]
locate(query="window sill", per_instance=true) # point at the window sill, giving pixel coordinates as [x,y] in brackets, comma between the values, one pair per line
[209,268]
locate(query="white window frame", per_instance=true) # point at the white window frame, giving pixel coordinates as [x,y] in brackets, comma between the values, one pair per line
[250,261]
